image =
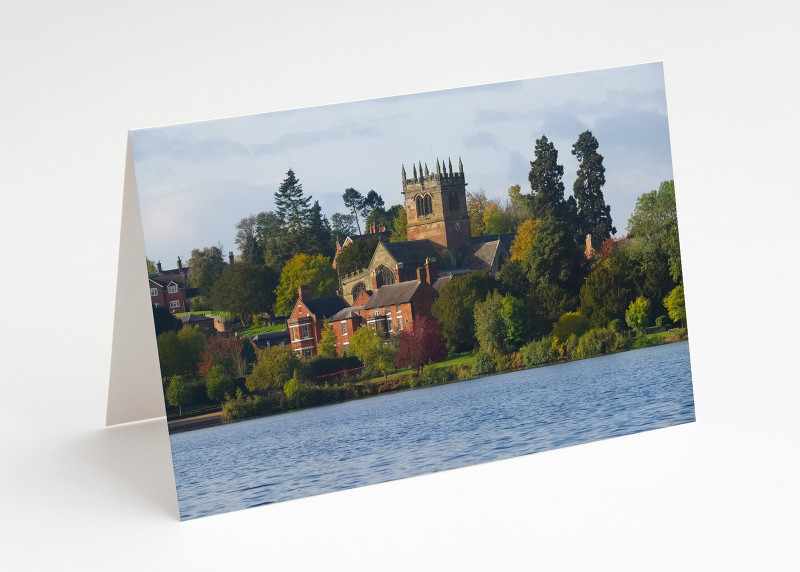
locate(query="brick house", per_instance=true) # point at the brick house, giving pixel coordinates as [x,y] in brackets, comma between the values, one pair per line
[348,320]
[169,292]
[395,307]
[305,321]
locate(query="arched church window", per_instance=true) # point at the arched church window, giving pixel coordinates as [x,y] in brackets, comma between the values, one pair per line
[383,276]
[419,206]
[357,289]
[428,204]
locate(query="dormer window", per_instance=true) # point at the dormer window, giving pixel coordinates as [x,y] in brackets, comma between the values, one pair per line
[172,288]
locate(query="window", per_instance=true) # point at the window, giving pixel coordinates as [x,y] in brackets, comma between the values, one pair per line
[344,328]
[153,292]
[172,288]
[387,310]
[397,308]
[424,205]
[174,304]
[399,322]
[306,353]
[304,329]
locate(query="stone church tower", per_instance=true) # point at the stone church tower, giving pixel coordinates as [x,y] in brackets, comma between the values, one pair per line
[436,205]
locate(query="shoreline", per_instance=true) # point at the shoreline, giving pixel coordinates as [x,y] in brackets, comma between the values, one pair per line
[215,419]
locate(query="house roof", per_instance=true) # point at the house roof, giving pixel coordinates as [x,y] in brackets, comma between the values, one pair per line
[399,293]
[505,238]
[191,318]
[412,253]
[442,282]
[271,336]
[165,281]
[349,312]
[326,306]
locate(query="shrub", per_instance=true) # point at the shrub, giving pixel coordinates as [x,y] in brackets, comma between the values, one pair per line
[616,325]
[638,314]
[241,407]
[462,372]
[539,352]
[219,383]
[663,322]
[570,324]
[571,345]
[483,364]
[595,342]
[515,361]
[431,375]
[351,390]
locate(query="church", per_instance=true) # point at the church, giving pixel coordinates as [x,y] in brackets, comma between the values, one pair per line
[438,234]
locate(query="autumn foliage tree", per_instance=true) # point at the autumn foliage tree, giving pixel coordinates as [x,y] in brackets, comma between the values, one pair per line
[524,239]
[423,345]
[220,351]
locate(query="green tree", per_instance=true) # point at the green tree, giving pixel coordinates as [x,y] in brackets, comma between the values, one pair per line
[247,240]
[318,234]
[244,289]
[594,216]
[570,324]
[547,197]
[316,271]
[605,294]
[501,325]
[354,201]
[327,341]
[179,352]
[274,368]
[164,321]
[553,257]
[655,219]
[356,255]
[638,314]
[372,350]
[178,393]
[518,209]
[399,225]
[206,266]
[151,267]
[219,384]
[292,205]
[496,221]
[343,225]
[371,203]
[675,303]
[455,308]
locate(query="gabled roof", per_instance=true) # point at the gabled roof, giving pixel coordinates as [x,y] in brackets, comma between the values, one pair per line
[349,312]
[192,318]
[505,238]
[479,255]
[399,293]
[442,282]
[326,306]
[412,253]
[165,281]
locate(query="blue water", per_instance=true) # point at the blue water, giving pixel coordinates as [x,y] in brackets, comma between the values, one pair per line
[337,447]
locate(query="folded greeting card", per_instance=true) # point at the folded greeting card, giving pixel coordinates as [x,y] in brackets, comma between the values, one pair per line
[356,293]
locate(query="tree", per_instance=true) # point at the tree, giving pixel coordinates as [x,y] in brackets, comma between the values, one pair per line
[318,235]
[675,303]
[399,225]
[514,280]
[422,345]
[316,271]
[274,368]
[455,307]
[554,258]
[372,350]
[292,205]
[605,294]
[372,202]
[343,225]
[151,267]
[178,393]
[354,201]
[206,266]
[327,341]
[477,205]
[178,353]
[518,208]
[522,242]
[219,384]
[274,243]
[244,289]
[501,325]
[356,255]
[247,240]
[655,218]
[547,197]
[164,321]
[222,352]
[495,220]
[638,314]
[594,216]
[570,324]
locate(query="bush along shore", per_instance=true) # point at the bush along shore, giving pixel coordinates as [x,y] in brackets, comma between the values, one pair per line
[303,389]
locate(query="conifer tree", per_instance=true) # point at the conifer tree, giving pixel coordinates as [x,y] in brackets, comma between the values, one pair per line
[292,206]
[547,197]
[594,216]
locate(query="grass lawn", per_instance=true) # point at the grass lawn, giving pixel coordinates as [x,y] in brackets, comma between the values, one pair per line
[466,358]
[212,313]
[255,330]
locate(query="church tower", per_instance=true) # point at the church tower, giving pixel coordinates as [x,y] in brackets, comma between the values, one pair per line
[436,205]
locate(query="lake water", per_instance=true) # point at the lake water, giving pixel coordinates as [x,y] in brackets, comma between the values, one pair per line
[337,447]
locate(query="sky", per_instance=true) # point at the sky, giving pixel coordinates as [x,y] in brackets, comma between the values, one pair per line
[196,181]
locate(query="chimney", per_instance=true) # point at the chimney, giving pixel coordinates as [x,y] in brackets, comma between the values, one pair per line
[400,272]
[432,270]
[305,292]
[421,274]
[589,250]
[230,257]
[180,266]
[372,227]
[382,229]
[374,280]
[158,266]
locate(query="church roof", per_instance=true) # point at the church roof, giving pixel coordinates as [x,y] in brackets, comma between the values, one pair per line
[479,255]
[442,282]
[412,253]
[505,238]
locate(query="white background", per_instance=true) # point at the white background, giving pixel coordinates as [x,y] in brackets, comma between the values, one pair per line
[719,494]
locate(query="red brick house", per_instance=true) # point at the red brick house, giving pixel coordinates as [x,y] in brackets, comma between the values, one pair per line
[395,307]
[305,321]
[348,320]
[169,292]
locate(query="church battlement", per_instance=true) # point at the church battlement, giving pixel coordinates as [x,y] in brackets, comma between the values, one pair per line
[425,179]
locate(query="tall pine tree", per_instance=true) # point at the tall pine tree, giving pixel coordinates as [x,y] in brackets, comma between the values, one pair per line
[547,196]
[594,216]
[291,205]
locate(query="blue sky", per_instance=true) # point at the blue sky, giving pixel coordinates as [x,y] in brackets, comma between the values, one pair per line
[197,180]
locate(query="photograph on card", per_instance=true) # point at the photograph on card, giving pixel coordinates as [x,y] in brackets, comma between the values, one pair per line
[356,293]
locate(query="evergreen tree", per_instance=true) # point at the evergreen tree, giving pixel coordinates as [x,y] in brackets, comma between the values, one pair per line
[594,215]
[355,202]
[292,206]
[547,197]
[319,233]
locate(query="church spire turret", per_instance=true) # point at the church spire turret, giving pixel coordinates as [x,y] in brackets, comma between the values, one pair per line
[415,172]
[450,164]
[438,170]
[426,170]
[460,167]
[404,174]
